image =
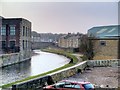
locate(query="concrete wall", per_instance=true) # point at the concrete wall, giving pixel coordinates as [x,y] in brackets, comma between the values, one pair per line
[38,45]
[60,75]
[108,51]
[9,59]
[104,63]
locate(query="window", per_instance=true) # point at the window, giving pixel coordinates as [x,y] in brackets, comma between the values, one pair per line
[76,86]
[23,30]
[102,43]
[12,44]
[3,44]
[12,30]
[3,30]
[23,45]
[60,85]
[88,86]
[26,30]
[26,44]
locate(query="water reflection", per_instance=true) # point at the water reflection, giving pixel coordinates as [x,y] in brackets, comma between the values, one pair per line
[15,72]
[40,63]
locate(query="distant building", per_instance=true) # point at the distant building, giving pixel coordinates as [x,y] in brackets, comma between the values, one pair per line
[106,40]
[43,40]
[36,37]
[69,41]
[15,36]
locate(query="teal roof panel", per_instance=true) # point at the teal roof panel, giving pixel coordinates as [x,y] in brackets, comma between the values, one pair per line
[105,32]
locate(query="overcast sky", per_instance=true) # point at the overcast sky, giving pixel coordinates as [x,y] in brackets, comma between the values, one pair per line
[63,17]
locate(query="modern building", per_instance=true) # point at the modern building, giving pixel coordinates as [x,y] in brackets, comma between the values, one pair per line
[69,41]
[106,41]
[15,36]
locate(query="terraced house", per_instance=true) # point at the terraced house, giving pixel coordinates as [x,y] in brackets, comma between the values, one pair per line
[70,41]
[15,36]
[106,41]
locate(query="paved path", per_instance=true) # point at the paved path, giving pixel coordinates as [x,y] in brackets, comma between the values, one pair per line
[78,57]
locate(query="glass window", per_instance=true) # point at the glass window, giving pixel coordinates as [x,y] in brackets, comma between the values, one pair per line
[88,86]
[103,43]
[23,45]
[68,86]
[26,30]
[23,30]
[12,44]
[26,44]
[3,30]
[76,86]
[3,44]
[60,85]
[12,30]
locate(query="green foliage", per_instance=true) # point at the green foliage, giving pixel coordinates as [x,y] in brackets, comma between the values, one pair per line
[84,57]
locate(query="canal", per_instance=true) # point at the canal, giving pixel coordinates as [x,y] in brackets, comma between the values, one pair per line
[39,63]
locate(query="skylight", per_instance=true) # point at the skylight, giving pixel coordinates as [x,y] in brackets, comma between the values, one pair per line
[113,29]
[102,30]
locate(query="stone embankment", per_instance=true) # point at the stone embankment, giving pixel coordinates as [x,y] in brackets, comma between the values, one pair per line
[13,58]
[68,72]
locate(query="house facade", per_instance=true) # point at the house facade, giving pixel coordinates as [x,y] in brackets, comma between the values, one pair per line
[69,41]
[106,42]
[15,37]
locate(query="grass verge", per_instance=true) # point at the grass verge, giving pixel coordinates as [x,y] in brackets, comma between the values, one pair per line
[69,55]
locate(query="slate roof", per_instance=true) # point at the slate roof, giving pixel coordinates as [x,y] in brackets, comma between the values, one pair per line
[112,31]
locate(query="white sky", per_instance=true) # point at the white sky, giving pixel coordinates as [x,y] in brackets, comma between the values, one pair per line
[60,0]
[63,17]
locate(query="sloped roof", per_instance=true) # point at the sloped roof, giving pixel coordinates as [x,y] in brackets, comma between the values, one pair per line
[71,36]
[105,32]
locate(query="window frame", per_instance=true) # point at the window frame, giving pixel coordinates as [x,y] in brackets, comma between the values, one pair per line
[102,43]
[12,30]
[3,30]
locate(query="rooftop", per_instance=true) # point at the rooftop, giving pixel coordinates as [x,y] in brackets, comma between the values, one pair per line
[13,19]
[112,31]
[71,36]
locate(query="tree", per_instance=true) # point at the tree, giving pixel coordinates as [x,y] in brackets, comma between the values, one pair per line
[86,47]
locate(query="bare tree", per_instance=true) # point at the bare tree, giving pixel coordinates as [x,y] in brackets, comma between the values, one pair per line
[86,47]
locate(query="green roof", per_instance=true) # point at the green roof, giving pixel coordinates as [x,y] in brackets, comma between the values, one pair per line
[105,32]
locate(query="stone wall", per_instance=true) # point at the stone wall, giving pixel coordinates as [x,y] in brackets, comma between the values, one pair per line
[107,51]
[39,82]
[60,75]
[38,45]
[104,63]
[9,59]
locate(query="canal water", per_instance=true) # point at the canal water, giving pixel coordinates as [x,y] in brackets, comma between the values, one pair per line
[40,63]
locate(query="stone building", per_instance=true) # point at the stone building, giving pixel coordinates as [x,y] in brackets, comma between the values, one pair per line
[15,37]
[69,41]
[106,42]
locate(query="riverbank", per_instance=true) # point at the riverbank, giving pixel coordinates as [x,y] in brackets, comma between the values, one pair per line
[69,55]
[39,75]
